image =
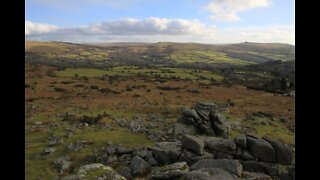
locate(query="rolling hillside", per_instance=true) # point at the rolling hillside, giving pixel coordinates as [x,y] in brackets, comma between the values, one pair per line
[162,53]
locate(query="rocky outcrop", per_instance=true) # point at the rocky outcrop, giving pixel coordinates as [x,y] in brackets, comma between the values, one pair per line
[208,174]
[53,140]
[226,146]
[180,129]
[61,164]
[241,141]
[191,157]
[261,149]
[139,166]
[192,143]
[219,124]
[255,176]
[232,166]
[205,118]
[195,155]
[208,157]
[284,154]
[95,171]
[260,167]
[166,152]
[169,171]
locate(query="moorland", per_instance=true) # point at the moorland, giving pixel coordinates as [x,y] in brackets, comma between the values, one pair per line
[80,98]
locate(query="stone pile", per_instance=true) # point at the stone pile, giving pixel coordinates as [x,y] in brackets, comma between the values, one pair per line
[202,118]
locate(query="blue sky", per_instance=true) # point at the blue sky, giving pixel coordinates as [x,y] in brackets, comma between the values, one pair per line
[244,20]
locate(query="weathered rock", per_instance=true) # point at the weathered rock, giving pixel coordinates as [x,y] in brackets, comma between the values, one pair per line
[37,123]
[110,150]
[255,176]
[152,161]
[124,171]
[49,150]
[180,128]
[241,141]
[136,126]
[232,166]
[205,127]
[219,124]
[224,145]
[246,155]
[284,154]
[193,143]
[261,149]
[62,164]
[95,171]
[139,166]
[197,118]
[203,114]
[111,159]
[142,153]
[191,157]
[208,174]
[76,146]
[220,155]
[190,113]
[123,150]
[161,155]
[205,106]
[170,131]
[210,138]
[53,140]
[162,150]
[125,159]
[262,167]
[169,171]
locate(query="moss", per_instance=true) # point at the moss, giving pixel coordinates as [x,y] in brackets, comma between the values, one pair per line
[280,133]
[95,173]
[36,142]
[275,130]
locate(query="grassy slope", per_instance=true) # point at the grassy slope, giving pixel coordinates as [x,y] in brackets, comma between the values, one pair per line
[133,71]
[205,57]
[36,142]
[66,51]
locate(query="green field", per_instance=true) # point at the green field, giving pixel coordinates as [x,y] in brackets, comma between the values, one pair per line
[273,56]
[136,71]
[205,57]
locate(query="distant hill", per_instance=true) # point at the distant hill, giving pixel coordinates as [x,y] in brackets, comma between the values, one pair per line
[162,53]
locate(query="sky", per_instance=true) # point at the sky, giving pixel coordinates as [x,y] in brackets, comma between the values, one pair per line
[201,21]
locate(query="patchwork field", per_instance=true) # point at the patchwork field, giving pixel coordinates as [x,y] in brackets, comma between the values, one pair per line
[205,57]
[156,53]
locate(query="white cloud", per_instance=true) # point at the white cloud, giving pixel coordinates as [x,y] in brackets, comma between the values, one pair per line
[149,26]
[276,33]
[159,29]
[226,10]
[37,28]
[122,28]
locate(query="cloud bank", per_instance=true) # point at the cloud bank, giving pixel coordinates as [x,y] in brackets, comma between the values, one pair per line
[226,10]
[158,29]
[37,28]
[121,30]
